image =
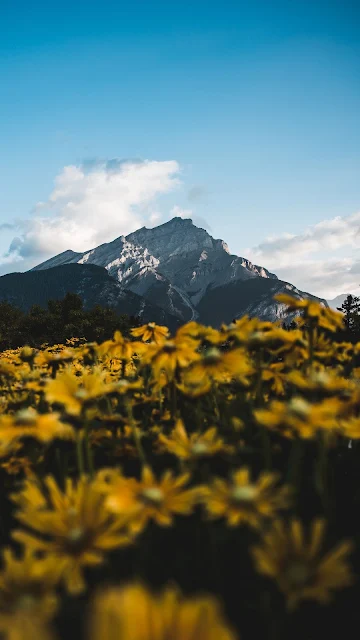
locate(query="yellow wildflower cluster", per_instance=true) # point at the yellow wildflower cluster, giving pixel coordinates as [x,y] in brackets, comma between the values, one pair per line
[116,458]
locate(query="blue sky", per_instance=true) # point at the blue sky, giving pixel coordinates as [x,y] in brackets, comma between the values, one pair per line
[246,111]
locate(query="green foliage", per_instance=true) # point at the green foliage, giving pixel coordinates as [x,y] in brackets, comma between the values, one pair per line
[62,320]
[351,309]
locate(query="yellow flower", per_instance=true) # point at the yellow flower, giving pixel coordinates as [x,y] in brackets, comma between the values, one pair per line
[297,565]
[73,526]
[44,427]
[54,358]
[300,417]
[170,355]
[350,428]
[219,366]
[23,627]
[76,392]
[27,354]
[276,376]
[196,445]
[31,494]
[27,586]
[7,369]
[133,613]
[150,331]
[323,316]
[200,333]
[118,347]
[16,464]
[193,387]
[322,382]
[124,386]
[242,501]
[241,330]
[149,499]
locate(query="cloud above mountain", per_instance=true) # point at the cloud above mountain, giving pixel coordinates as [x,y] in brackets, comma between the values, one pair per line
[90,204]
[100,199]
[324,259]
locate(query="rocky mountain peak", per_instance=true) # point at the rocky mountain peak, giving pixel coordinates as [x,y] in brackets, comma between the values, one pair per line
[177,266]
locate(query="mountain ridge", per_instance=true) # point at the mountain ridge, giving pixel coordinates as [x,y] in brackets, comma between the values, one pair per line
[177,266]
[92,283]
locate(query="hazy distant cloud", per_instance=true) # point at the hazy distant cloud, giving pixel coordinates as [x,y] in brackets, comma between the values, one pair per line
[199,221]
[196,193]
[93,203]
[7,226]
[296,259]
[179,212]
[155,218]
[330,234]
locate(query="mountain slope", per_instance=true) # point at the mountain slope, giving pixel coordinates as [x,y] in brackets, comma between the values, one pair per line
[92,283]
[179,267]
[337,302]
[252,297]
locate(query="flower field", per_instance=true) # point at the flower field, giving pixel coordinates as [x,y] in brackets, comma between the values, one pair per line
[202,486]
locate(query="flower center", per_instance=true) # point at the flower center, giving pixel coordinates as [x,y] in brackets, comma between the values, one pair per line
[25,602]
[299,407]
[25,417]
[169,347]
[151,325]
[320,377]
[246,493]
[212,356]
[257,336]
[76,534]
[297,574]
[152,495]
[199,448]
[81,394]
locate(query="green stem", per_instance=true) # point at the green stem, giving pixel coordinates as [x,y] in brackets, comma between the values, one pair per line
[294,465]
[123,368]
[321,472]
[216,404]
[174,398]
[60,465]
[79,454]
[135,431]
[89,453]
[266,444]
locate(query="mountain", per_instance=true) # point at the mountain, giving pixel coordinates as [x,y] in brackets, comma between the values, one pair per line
[92,283]
[251,297]
[337,302]
[184,271]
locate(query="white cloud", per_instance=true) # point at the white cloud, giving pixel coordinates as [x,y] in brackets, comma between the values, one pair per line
[155,218]
[317,260]
[199,221]
[91,204]
[179,212]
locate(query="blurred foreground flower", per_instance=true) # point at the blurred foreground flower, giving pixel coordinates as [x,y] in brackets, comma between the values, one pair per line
[73,526]
[133,613]
[242,501]
[150,498]
[297,565]
[196,445]
[27,594]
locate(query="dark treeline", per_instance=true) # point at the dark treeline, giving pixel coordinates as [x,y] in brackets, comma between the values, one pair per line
[67,318]
[61,320]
